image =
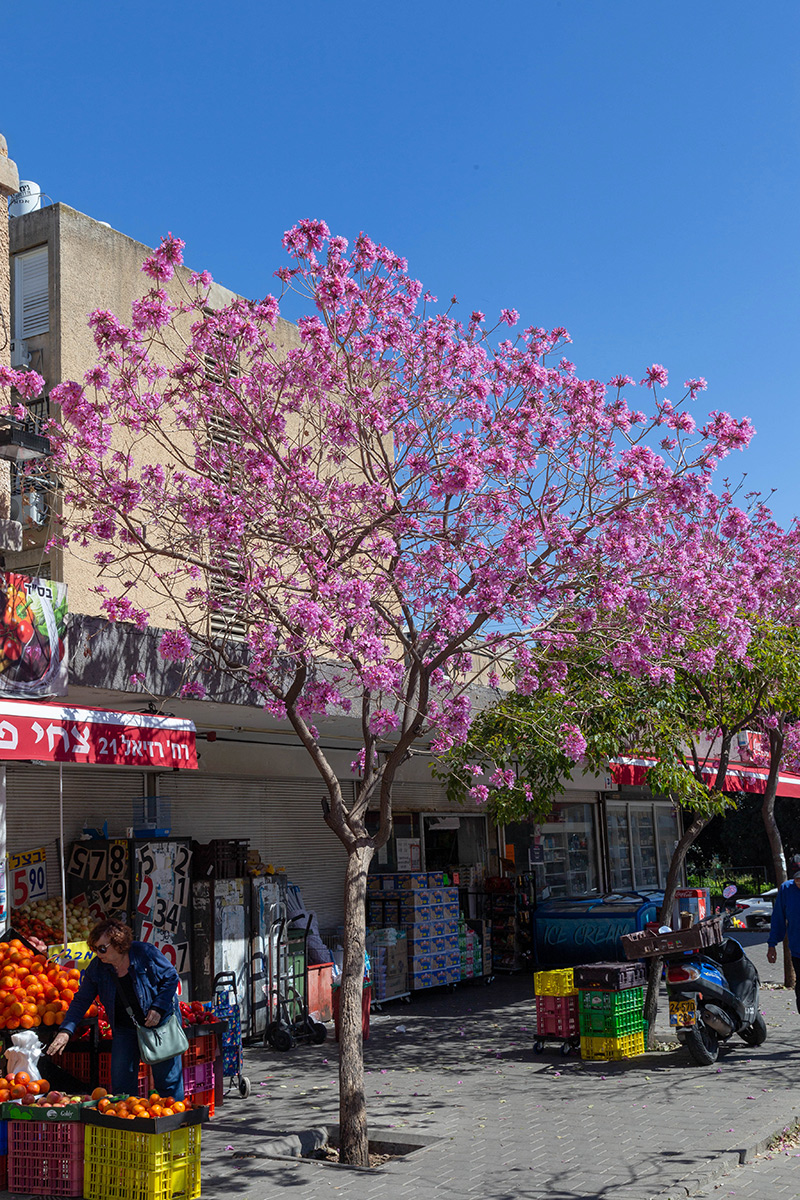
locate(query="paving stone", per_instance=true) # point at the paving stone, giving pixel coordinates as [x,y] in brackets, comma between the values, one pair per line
[513,1123]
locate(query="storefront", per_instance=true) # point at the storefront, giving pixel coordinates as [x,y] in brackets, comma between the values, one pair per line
[594,843]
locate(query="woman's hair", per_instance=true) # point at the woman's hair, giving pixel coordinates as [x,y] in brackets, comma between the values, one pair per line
[114,933]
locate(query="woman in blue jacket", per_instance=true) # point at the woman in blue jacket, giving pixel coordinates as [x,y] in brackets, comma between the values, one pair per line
[127,975]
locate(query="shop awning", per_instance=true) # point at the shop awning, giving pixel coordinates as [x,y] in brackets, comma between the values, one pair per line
[64,733]
[632,772]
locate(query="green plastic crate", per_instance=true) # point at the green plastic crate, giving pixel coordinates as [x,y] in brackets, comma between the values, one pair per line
[629,1000]
[611,1025]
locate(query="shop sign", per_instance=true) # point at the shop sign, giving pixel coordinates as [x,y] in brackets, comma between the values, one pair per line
[33,637]
[28,875]
[63,733]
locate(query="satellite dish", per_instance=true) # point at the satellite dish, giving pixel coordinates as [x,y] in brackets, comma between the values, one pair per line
[27,199]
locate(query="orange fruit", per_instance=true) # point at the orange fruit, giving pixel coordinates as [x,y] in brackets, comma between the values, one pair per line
[18,1091]
[59,1018]
[48,1018]
[156,1110]
[44,1087]
[22,1077]
[26,1022]
[179,1106]
[99,1093]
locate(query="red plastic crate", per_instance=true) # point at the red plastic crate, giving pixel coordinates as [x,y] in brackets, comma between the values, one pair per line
[145,1080]
[202,1049]
[104,1069]
[3,1172]
[207,1097]
[559,1006]
[45,1158]
[78,1063]
[198,1078]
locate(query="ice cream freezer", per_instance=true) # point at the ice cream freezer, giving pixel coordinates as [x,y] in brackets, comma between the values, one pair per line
[566,932]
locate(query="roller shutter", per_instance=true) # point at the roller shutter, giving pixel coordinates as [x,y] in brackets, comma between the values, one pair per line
[282,819]
[92,795]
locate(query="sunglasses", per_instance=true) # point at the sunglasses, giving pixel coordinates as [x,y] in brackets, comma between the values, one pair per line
[100,949]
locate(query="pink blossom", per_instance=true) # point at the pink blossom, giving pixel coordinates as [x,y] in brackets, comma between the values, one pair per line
[175,645]
[655,375]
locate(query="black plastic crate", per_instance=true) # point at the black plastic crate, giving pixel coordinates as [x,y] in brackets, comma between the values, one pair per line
[610,976]
[223,858]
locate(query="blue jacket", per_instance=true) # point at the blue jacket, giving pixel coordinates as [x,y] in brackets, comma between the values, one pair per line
[155,982]
[786,917]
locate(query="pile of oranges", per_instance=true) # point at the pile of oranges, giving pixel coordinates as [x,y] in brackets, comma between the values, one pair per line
[21,1086]
[33,990]
[137,1106]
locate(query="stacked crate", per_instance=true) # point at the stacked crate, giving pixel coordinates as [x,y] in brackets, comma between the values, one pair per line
[141,1166]
[470,950]
[45,1158]
[556,1004]
[198,1070]
[611,1008]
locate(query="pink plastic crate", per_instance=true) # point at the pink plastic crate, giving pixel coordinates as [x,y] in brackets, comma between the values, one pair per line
[198,1078]
[45,1158]
[557,1016]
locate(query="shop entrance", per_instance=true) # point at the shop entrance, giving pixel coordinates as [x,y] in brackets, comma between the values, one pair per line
[450,841]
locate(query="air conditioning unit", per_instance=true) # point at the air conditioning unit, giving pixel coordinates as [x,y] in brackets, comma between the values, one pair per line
[29,508]
[20,355]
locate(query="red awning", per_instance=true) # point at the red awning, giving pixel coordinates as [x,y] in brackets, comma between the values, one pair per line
[64,733]
[632,772]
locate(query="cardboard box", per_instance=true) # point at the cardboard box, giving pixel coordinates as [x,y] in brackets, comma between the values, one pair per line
[419,963]
[421,979]
[435,878]
[412,881]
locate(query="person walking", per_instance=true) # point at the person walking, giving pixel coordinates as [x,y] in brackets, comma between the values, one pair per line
[786,923]
[127,977]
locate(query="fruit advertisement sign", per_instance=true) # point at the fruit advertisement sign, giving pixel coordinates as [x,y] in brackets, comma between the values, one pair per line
[33,637]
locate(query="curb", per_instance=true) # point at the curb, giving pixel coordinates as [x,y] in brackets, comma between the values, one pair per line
[724,1163]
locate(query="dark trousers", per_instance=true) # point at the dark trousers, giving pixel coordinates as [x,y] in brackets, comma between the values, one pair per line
[167,1076]
[796,965]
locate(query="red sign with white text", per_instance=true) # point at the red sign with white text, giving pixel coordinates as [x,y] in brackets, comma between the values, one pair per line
[65,733]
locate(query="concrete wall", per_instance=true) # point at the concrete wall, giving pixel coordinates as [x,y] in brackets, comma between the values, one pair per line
[92,266]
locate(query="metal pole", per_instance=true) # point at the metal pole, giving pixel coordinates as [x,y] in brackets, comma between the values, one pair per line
[61,850]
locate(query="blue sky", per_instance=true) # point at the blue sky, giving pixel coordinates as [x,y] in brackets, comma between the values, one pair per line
[627,169]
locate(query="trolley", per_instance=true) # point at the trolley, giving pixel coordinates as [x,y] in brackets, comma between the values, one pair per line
[288,1018]
[232,1055]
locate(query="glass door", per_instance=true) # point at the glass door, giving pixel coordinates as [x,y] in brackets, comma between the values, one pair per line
[619,848]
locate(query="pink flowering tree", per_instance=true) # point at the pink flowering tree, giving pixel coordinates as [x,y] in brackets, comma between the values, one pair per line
[394,505]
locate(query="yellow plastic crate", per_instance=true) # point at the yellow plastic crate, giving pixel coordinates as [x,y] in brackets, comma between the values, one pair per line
[107,1181]
[123,1165]
[601,1049]
[554,983]
[142,1151]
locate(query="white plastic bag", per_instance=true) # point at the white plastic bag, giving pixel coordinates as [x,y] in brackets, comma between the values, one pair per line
[23,1054]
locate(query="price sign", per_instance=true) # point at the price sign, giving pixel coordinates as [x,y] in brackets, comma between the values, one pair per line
[28,876]
[77,954]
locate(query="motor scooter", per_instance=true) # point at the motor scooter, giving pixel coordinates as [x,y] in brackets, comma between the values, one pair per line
[713,994]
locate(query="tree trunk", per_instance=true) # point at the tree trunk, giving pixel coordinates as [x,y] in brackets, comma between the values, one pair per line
[665,916]
[353,1142]
[774,837]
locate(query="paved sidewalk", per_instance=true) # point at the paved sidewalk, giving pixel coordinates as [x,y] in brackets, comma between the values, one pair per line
[509,1122]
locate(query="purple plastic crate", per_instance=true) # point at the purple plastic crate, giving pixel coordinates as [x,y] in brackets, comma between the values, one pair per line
[198,1078]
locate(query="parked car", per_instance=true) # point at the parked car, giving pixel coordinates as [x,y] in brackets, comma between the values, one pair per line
[757,911]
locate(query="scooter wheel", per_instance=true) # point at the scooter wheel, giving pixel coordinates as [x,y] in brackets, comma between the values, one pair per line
[756,1033]
[702,1045]
[244,1086]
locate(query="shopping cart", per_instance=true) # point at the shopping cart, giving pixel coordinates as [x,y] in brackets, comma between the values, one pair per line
[288,1018]
[232,1055]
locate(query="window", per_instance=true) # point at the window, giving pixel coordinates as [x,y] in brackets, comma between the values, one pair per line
[31,294]
[561,852]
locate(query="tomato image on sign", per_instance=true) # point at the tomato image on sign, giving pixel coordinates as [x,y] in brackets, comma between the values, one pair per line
[32,636]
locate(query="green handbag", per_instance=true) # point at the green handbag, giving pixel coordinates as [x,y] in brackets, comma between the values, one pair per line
[163,1042]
